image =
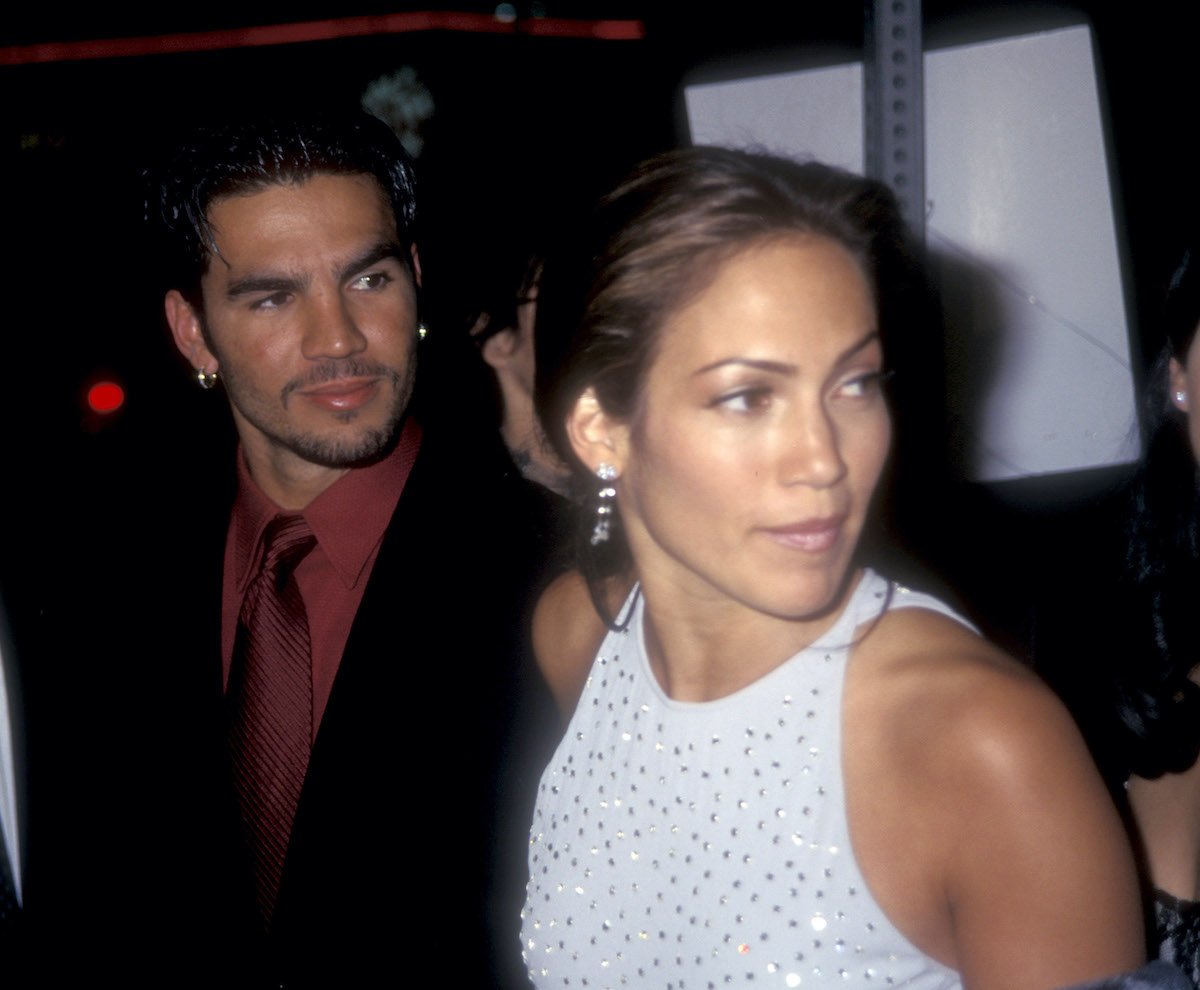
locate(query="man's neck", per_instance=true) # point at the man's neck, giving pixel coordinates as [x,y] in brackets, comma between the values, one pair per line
[528,447]
[289,482]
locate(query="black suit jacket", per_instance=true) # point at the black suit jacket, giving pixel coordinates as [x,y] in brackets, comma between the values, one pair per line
[410,829]
[11,676]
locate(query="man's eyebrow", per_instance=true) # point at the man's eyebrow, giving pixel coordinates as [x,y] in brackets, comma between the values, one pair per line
[279,282]
[372,256]
[249,284]
[782,367]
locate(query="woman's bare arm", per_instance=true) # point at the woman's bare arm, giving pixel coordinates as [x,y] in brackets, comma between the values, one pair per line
[1018,874]
[567,632]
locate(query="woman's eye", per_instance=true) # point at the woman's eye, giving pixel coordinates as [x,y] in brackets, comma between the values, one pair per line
[745,400]
[863,385]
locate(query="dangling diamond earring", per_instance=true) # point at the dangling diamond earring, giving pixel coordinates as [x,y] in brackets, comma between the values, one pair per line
[600,532]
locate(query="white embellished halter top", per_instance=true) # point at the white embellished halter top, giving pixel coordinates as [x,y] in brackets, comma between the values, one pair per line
[696,846]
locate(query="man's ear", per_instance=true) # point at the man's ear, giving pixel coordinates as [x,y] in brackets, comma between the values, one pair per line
[1179,397]
[499,348]
[416,265]
[595,436]
[188,331]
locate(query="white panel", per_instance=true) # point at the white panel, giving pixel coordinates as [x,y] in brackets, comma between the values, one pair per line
[1021,233]
[1018,188]
[811,114]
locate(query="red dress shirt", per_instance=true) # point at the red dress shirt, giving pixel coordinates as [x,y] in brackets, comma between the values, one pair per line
[348,519]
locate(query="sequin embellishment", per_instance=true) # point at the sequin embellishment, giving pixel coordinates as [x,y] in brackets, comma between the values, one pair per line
[683,845]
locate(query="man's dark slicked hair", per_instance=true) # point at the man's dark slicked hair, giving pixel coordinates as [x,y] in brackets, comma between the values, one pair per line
[246,156]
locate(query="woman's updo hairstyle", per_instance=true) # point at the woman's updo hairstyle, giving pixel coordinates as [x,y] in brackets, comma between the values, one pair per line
[654,244]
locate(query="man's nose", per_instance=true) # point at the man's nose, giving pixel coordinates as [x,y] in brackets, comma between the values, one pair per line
[332,330]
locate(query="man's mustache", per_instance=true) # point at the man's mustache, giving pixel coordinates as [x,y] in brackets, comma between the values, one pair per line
[332,371]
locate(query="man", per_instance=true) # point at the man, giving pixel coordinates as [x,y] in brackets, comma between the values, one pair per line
[302,772]
[502,326]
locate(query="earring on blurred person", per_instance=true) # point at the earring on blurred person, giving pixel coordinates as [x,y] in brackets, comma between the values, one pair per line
[1180,398]
[422,330]
[206,380]
[600,532]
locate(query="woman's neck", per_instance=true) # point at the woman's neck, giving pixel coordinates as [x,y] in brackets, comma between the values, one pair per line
[704,647]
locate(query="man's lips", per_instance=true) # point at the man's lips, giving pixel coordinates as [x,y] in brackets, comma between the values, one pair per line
[811,536]
[342,394]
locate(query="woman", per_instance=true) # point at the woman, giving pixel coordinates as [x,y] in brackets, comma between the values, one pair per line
[781,769]
[1159,700]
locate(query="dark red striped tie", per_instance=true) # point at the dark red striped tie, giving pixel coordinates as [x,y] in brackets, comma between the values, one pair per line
[270,703]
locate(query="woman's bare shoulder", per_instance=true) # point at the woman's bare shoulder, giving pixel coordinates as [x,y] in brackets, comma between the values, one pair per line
[567,632]
[964,710]
[924,661]
[1000,802]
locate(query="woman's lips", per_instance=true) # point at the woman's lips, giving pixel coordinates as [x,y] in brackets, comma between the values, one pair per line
[811,536]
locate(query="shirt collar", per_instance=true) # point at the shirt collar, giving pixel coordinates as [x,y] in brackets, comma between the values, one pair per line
[348,518]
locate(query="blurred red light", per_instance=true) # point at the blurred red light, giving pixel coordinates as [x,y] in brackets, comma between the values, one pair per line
[105,397]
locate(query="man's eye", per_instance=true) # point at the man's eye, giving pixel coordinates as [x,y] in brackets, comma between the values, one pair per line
[373,280]
[273,301]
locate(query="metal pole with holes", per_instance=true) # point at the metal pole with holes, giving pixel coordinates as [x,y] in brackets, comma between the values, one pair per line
[893,104]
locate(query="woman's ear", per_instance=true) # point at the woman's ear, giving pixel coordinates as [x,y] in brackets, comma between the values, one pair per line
[595,436]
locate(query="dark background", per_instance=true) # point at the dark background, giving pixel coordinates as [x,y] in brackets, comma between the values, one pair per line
[524,125]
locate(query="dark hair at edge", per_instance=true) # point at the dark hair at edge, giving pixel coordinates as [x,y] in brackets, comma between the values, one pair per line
[244,156]
[1158,704]
[656,242]
[501,288]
